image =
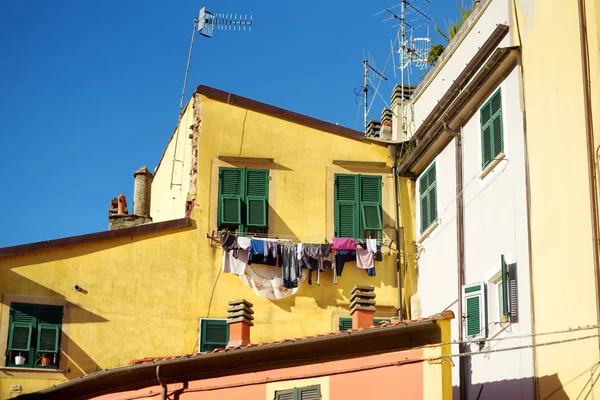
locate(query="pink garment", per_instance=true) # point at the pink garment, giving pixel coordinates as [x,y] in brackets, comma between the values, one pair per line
[344,244]
[364,258]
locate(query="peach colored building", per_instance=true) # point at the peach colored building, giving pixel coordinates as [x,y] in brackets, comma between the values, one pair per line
[409,359]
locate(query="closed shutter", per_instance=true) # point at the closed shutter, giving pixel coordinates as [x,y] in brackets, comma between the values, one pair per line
[475,311]
[230,196]
[214,334]
[257,184]
[512,293]
[345,324]
[370,202]
[428,197]
[504,285]
[492,130]
[48,338]
[310,393]
[285,394]
[346,206]
[22,324]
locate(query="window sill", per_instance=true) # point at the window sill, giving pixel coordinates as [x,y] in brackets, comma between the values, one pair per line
[27,369]
[428,231]
[490,167]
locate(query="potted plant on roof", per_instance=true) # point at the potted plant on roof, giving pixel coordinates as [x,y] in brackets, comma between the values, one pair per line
[45,360]
[20,360]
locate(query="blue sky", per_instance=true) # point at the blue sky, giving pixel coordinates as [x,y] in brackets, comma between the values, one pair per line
[90,89]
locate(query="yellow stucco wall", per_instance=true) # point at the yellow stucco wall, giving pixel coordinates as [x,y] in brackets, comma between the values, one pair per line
[561,246]
[145,294]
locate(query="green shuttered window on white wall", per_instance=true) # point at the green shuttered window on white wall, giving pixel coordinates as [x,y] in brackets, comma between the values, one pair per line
[243,198]
[428,197]
[492,135]
[475,310]
[357,205]
[303,393]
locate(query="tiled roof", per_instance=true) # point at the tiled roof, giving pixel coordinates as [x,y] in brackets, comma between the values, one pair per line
[441,316]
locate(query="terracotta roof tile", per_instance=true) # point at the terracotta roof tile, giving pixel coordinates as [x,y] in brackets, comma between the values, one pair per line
[444,315]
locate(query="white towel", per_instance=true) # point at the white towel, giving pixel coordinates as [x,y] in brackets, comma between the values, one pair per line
[372,245]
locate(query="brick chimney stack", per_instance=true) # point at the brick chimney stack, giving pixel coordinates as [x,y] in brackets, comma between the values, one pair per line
[239,319]
[362,305]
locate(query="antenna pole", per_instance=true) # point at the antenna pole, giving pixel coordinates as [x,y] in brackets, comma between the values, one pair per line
[366,92]
[187,69]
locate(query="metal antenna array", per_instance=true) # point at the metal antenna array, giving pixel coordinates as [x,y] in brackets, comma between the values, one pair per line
[411,51]
[205,25]
[367,87]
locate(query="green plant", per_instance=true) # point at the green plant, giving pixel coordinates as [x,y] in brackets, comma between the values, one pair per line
[453,26]
[435,53]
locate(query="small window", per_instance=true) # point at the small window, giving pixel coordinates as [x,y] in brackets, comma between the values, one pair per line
[214,334]
[357,206]
[304,393]
[346,323]
[502,290]
[492,140]
[475,310]
[428,197]
[243,199]
[34,336]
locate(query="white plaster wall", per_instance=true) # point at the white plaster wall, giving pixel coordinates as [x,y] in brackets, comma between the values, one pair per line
[496,12]
[169,191]
[437,264]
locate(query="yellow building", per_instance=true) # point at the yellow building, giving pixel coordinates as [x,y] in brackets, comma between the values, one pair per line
[77,305]
[560,90]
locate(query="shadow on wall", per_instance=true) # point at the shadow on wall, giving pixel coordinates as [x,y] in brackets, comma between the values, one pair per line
[552,389]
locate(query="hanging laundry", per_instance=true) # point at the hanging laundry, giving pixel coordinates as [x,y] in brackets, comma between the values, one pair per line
[364,258]
[290,270]
[378,256]
[270,252]
[371,271]
[244,242]
[372,245]
[235,265]
[327,264]
[229,242]
[309,260]
[267,282]
[342,257]
[344,244]
[257,253]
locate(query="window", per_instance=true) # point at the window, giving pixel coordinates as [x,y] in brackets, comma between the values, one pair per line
[214,334]
[34,336]
[428,197]
[305,393]
[243,199]
[357,206]
[490,116]
[346,323]
[475,310]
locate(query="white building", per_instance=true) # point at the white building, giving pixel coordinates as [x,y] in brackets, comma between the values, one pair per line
[467,156]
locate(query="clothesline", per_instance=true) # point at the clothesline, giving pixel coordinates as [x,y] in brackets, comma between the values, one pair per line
[291,238]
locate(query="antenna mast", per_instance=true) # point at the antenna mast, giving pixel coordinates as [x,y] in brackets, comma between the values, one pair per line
[368,67]
[205,25]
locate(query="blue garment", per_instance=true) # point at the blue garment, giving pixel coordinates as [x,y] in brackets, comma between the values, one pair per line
[256,253]
[342,257]
[371,271]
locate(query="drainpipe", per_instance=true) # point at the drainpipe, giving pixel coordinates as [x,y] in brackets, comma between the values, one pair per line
[589,133]
[393,150]
[162,385]
[460,237]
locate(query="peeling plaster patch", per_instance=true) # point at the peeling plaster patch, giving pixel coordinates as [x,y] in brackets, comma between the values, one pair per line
[194,136]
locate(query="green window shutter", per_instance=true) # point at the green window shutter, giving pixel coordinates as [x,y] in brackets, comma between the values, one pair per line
[21,312]
[370,202]
[50,315]
[492,140]
[230,196]
[285,394]
[475,311]
[345,324]
[48,338]
[428,197]
[20,336]
[504,287]
[512,293]
[257,192]
[214,334]
[310,393]
[346,205]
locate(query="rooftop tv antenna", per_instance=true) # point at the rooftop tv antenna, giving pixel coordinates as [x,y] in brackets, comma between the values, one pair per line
[205,25]
[411,51]
[368,87]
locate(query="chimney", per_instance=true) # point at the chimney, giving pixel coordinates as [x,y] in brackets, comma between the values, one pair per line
[239,319]
[121,204]
[362,305]
[141,191]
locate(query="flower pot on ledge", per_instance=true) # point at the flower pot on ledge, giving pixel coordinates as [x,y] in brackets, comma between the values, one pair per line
[45,361]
